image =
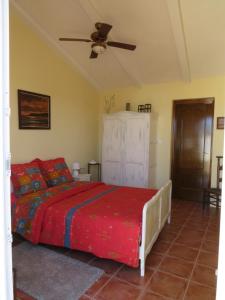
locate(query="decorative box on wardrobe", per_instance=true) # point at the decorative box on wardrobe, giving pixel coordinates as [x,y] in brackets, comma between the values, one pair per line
[128,154]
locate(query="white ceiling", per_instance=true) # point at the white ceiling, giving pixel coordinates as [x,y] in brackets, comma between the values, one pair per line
[176,39]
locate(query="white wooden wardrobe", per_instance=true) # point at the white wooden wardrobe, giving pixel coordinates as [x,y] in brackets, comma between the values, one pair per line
[128,154]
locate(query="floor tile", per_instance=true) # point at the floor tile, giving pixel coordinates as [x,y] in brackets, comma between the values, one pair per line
[171,228]
[199,218]
[116,289]
[176,222]
[198,226]
[212,236]
[153,260]
[210,246]
[133,275]
[183,252]
[214,212]
[199,292]
[214,226]
[97,285]
[151,296]
[179,216]
[194,234]
[204,275]
[215,219]
[167,236]
[167,285]
[109,266]
[187,240]
[176,266]
[208,258]
[160,247]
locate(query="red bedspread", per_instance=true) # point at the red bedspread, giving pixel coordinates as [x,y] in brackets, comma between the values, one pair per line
[93,217]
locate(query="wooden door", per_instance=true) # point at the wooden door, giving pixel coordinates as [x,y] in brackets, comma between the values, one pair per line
[192,147]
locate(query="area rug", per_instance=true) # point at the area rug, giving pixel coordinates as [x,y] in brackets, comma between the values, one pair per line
[47,275]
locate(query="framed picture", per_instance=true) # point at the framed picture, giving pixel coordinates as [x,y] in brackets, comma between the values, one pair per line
[220,123]
[34,110]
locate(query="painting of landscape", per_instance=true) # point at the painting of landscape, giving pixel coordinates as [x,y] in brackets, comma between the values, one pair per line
[34,110]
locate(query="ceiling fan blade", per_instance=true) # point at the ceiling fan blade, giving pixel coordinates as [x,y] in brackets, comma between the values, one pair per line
[93,54]
[75,40]
[121,45]
[103,28]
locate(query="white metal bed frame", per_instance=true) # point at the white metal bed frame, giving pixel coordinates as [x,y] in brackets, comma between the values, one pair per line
[154,215]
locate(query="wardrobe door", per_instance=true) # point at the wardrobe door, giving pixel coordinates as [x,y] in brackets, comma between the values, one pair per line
[111,151]
[136,141]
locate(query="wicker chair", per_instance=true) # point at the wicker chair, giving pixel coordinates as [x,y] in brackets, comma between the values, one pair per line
[212,195]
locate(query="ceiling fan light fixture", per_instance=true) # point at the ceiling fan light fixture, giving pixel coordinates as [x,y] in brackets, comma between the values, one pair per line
[98,48]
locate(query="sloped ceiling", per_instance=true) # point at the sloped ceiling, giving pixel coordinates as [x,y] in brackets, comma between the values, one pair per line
[176,39]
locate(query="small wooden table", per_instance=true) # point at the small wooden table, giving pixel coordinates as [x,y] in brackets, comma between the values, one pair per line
[95,165]
[83,177]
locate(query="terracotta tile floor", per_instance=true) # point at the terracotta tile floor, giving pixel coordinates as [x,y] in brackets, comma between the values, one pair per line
[181,264]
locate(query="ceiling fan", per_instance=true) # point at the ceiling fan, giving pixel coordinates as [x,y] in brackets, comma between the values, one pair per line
[99,40]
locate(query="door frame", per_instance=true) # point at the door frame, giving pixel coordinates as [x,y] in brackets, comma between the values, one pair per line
[6,281]
[206,100]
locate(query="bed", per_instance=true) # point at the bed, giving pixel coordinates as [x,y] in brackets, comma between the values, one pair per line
[113,222]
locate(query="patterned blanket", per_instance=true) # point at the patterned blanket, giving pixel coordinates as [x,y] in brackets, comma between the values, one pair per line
[94,217]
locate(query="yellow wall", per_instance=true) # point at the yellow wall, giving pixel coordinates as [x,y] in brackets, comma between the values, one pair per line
[161,96]
[37,67]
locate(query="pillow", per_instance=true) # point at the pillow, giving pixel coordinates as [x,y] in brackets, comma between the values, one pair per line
[27,178]
[55,171]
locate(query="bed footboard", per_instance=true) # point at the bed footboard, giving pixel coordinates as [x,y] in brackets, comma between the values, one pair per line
[154,215]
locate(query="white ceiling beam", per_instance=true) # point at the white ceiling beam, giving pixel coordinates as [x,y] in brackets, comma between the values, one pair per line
[176,19]
[95,16]
[56,45]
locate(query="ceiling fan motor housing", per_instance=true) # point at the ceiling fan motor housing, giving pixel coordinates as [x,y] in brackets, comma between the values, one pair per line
[97,37]
[98,25]
[98,47]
